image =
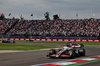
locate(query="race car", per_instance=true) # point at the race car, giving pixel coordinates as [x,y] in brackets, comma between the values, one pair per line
[7,41]
[70,50]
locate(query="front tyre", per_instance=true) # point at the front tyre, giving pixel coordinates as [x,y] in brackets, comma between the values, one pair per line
[52,51]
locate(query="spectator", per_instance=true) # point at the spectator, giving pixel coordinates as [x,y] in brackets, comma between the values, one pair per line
[81,27]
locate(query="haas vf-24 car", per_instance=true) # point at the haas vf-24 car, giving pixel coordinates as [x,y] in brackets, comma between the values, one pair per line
[70,50]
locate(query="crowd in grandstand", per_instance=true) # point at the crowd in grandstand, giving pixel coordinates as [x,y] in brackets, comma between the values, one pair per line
[6,24]
[71,27]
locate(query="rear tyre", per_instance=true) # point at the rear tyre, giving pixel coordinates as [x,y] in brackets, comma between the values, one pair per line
[82,53]
[72,54]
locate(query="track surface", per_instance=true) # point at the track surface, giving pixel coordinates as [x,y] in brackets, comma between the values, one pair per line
[27,58]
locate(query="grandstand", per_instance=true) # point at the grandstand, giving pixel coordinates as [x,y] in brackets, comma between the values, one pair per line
[65,28]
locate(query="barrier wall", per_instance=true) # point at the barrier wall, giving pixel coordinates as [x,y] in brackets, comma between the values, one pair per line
[56,38]
[78,40]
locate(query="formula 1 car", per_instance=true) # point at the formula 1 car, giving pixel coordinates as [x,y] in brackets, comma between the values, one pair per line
[70,50]
[7,41]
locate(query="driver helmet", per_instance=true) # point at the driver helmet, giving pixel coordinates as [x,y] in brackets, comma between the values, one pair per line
[67,45]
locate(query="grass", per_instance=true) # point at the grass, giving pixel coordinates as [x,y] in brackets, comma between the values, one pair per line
[8,46]
[55,42]
[89,43]
[24,47]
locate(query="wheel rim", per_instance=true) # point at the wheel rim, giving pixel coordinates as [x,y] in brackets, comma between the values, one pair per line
[70,52]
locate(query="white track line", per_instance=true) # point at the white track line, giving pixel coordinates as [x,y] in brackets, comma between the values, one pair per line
[10,51]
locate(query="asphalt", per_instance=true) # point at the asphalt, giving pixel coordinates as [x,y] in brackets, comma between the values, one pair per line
[27,58]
